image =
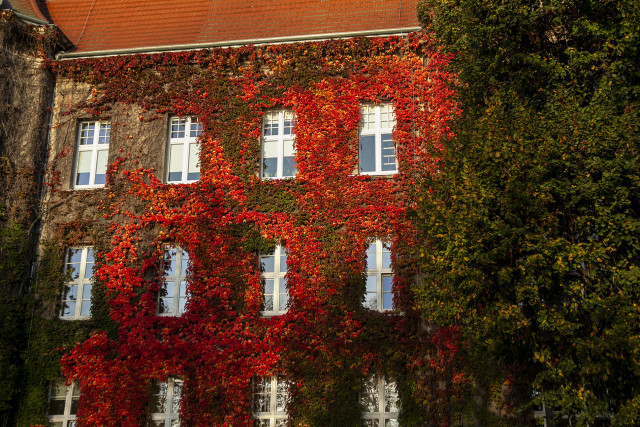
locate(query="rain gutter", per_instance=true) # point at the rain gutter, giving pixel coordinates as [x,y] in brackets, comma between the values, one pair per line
[235,43]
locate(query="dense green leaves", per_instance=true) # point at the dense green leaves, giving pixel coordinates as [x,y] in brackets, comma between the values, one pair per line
[532,227]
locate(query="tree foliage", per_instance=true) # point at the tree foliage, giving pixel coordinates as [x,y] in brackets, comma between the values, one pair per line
[531,228]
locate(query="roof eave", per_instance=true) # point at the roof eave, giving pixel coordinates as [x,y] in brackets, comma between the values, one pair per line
[30,19]
[235,43]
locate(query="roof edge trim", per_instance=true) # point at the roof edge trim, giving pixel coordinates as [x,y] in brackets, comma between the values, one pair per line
[235,43]
[30,19]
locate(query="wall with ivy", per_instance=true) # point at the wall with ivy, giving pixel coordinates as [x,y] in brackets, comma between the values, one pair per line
[25,96]
[327,343]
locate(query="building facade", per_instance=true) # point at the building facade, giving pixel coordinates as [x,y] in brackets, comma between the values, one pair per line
[225,222]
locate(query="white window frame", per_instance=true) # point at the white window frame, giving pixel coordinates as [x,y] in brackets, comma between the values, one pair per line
[192,131]
[94,145]
[278,387]
[380,129]
[380,274]
[178,279]
[169,416]
[81,282]
[278,276]
[281,140]
[68,418]
[379,385]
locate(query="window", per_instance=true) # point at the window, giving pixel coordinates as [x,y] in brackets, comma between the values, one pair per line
[76,297]
[278,154]
[379,295]
[377,150]
[63,404]
[93,153]
[270,399]
[184,150]
[381,404]
[173,295]
[274,269]
[165,403]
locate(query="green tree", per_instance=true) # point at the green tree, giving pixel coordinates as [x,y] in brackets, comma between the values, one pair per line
[531,228]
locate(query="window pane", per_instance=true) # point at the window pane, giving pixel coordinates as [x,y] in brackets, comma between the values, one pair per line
[388,153]
[74,406]
[101,167]
[70,293]
[269,167]
[196,128]
[369,397]
[88,270]
[74,270]
[371,257]
[387,283]
[182,304]
[178,127]
[284,299]
[391,423]
[283,261]
[288,122]
[105,133]
[372,283]
[86,133]
[167,289]
[268,286]
[194,162]
[268,303]
[288,166]
[371,423]
[386,116]
[185,263]
[368,113]
[386,258]
[86,292]
[68,309]
[390,397]
[85,308]
[281,396]
[271,123]
[367,153]
[158,398]
[262,423]
[262,396]
[175,162]
[56,407]
[74,255]
[267,262]
[84,168]
[59,389]
[170,263]
[387,295]
[177,395]
[165,305]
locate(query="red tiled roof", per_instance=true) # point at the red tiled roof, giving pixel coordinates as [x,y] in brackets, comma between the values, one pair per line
[100,25]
